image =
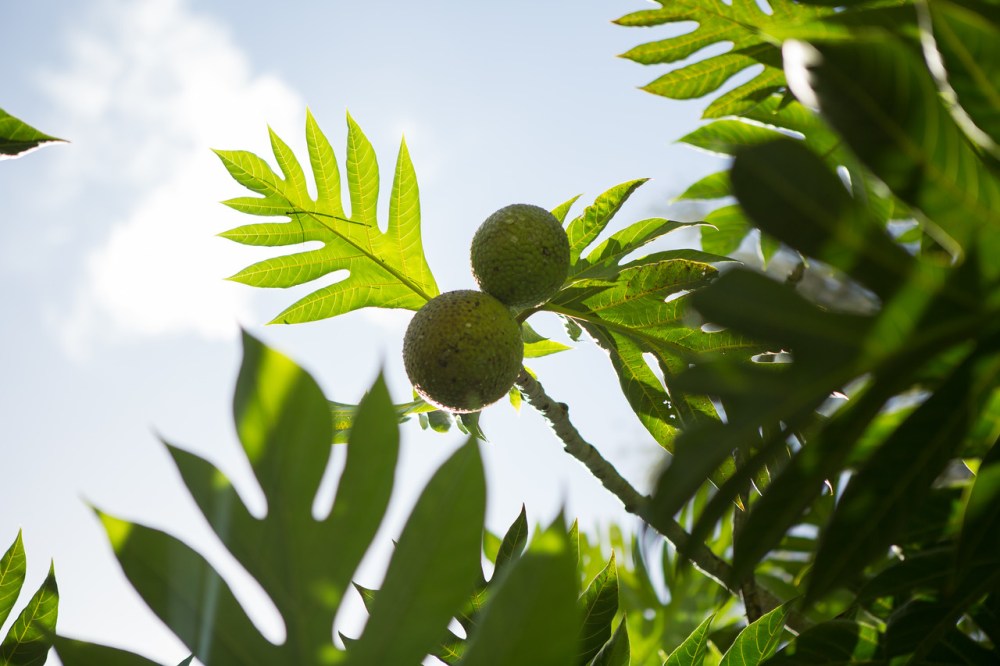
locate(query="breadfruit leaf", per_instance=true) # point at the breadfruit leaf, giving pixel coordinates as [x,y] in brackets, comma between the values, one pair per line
[885,104]
[305,563]
[742,23]
[13,568]
[30,637]
[776,118]
[758,641]
[383,268]
[637,307]
[968,39]
[692,651]
[533,616]
[74,652]
[585,228]
[17,137]
[600,605]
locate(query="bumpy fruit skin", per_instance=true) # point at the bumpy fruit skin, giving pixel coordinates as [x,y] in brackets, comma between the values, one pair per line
[463,351]
[520,255]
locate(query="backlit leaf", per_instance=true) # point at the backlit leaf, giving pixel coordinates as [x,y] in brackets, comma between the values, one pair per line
[742,24]
[30,637]
[600,604]
[384,269]
[692,651]
[17,137]
[13,567]
[758,641]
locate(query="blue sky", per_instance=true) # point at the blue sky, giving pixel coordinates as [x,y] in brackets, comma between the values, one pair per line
[117,321]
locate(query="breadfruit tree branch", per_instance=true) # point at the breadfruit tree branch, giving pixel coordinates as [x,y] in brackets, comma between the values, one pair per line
[557,414]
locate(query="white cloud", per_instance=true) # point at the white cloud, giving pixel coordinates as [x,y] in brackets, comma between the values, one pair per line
[150,86]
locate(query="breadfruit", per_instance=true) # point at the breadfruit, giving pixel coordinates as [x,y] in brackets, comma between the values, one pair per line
[463,350]
[520,255]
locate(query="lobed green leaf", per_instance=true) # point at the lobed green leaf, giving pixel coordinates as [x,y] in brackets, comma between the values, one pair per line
[383,269]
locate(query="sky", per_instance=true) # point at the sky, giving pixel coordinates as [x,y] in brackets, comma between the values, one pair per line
[118,326]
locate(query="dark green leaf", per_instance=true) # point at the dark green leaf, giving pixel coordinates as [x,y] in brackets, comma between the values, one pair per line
[81,653]
[533,617]
[304,564]
[980,537]
[878,94]
[186,593]
[282,423]
[450,649]
[878,498]
[911,623]
[615,652]
[969,44]
[925,571]
[17,137]
[987,617]
[513,542]
[766,393]
[30,637]
[956,647]
[434,566]
[790,194]
[838,642]
[928,626]
[600,604]
[781,318]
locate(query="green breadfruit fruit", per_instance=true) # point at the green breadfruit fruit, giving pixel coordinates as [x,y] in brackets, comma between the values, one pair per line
[463,350]
[520,255]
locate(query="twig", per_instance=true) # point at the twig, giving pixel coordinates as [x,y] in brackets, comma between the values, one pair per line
[713,566]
